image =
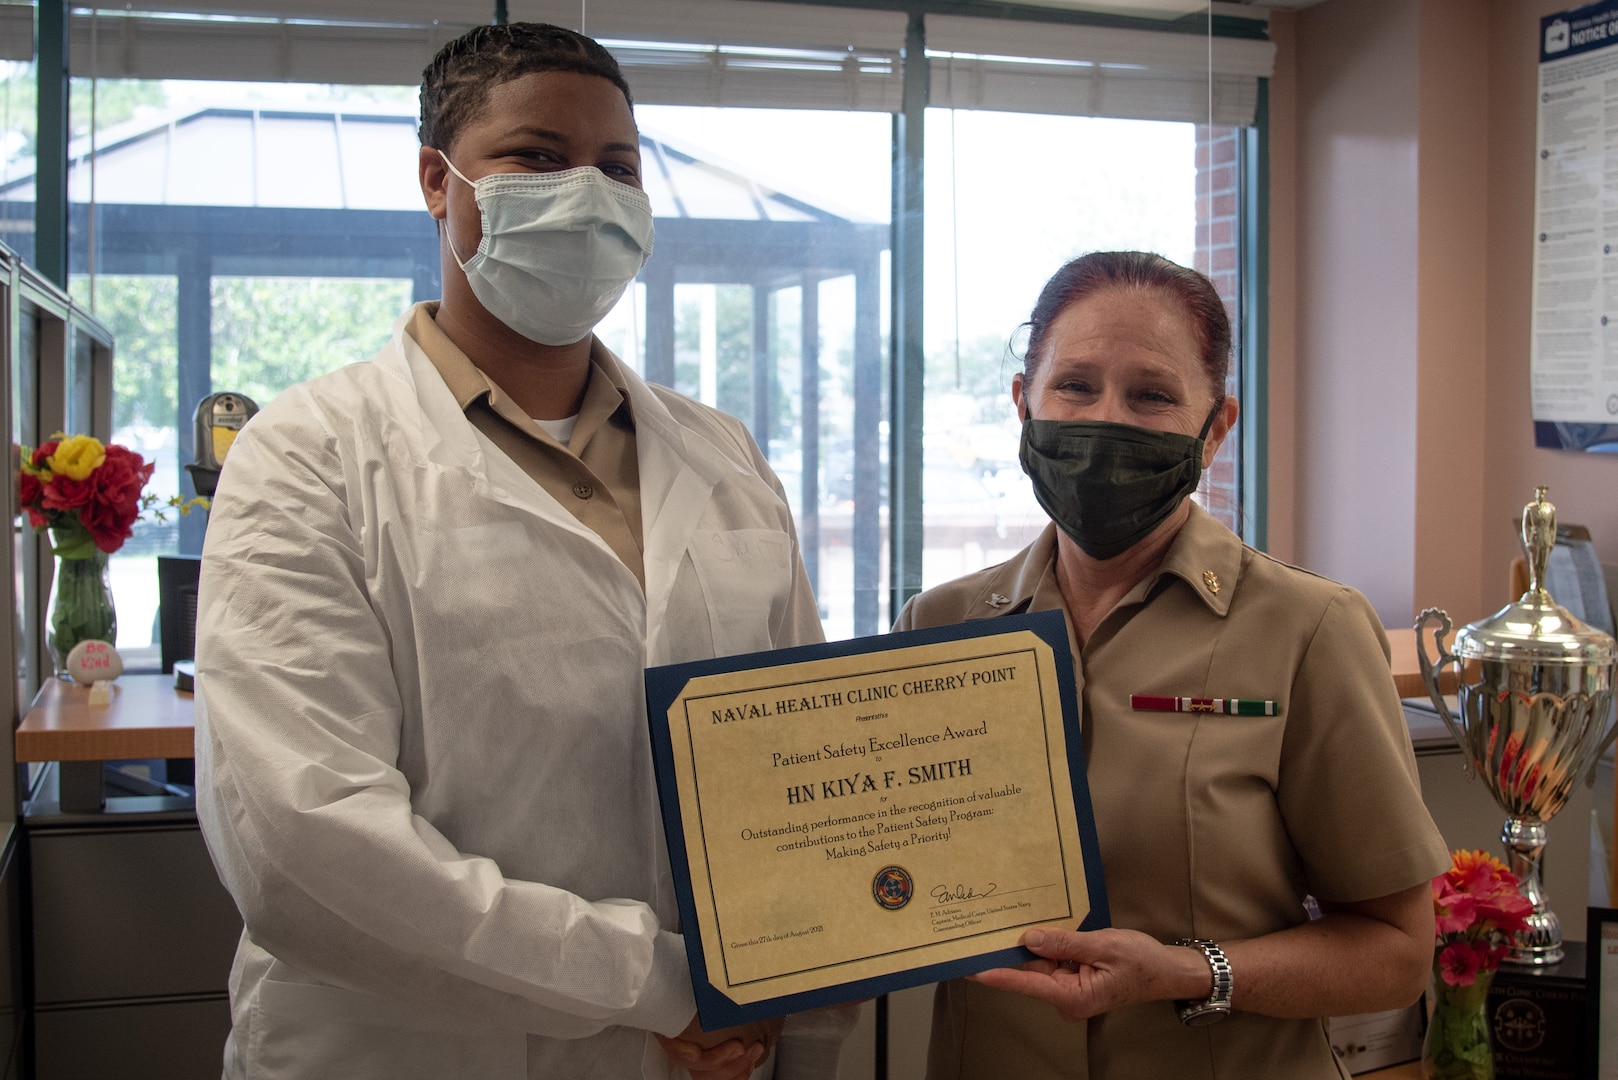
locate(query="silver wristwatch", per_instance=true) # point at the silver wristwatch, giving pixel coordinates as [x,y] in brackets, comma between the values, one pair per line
[1216,1006]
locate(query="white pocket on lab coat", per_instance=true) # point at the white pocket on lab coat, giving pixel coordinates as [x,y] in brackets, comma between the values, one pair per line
[746,576]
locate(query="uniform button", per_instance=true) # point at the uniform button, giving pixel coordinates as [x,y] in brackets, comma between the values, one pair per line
[583,490]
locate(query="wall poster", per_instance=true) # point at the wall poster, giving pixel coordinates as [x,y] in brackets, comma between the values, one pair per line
[1574,352]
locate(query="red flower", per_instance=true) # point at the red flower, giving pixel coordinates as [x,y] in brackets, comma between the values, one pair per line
[29,493]
[114,504]
[1458,963]
[62,493]
[101,508]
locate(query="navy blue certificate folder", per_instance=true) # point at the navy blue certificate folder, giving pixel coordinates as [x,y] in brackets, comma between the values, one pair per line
[803,756]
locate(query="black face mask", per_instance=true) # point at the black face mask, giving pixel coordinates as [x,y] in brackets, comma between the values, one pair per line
[1109,485]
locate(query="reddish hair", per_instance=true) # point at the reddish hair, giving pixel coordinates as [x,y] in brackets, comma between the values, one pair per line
[1089,274]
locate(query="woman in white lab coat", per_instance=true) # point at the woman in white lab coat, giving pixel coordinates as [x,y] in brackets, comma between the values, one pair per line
[423,763]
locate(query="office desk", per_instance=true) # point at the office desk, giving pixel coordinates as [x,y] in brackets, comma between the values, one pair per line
[1407,666]
[132,933]
[147,718]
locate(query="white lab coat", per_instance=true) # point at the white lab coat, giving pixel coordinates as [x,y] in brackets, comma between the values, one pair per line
[423,763]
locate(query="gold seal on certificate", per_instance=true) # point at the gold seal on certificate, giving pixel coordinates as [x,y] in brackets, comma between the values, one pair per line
[852,818]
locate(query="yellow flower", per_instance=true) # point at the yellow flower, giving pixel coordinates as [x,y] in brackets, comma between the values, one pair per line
[77,456]
[1463,861]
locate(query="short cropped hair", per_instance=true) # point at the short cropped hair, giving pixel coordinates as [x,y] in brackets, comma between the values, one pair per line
[1190,291]
[455,86]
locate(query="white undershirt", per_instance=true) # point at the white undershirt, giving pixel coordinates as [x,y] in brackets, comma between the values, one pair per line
[560,430]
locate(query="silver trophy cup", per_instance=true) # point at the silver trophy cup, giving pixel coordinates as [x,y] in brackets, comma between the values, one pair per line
[1535,722]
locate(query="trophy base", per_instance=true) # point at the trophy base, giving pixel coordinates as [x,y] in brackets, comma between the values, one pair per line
[1536,958]
[1540,943]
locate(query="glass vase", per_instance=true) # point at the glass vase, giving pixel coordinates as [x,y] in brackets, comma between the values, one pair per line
[81,607]
[1457,1045]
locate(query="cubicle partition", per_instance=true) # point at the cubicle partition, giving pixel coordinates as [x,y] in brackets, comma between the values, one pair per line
[57,374]
[115,934]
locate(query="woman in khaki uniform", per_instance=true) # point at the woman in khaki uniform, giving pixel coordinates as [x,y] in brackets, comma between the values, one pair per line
[1214,828]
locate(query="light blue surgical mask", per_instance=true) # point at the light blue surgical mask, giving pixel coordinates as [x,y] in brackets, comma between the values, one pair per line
[558,249]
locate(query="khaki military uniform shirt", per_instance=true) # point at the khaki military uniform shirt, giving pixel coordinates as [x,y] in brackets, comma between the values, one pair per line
[1210,825]
[596,476]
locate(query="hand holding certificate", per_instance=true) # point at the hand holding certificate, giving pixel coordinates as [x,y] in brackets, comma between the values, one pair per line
[849,819]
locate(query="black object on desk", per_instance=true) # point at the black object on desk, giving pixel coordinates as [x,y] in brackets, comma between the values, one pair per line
[177,606]
[1537,1016]
[1600,1008]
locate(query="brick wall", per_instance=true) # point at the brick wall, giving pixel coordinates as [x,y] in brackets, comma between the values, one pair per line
[1218,234]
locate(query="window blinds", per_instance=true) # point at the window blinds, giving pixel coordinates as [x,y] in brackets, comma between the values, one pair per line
[688,52]
[16,32]
[1094,71]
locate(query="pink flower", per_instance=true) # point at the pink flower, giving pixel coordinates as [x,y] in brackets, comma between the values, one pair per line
[1458,963]
[1506,908]
[1453,910]
[1476,911]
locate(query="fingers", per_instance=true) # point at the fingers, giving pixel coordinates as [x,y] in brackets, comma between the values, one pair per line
[1072,996]
[740,1069]
[729,1060]
[1017,981]
[1061,945]
[1084,974]
[689,1055]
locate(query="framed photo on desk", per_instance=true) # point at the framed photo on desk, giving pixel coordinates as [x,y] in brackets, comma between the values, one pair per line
[1601,995]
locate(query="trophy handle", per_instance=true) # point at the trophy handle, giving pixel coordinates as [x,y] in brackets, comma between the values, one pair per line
[1429,673]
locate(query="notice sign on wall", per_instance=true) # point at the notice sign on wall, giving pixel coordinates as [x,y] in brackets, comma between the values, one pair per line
[1574,357]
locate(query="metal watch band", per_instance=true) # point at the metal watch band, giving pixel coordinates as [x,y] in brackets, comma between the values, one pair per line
[1216,1006]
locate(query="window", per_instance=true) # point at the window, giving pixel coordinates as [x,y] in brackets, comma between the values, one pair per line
[247,238]
[764,298]
[18,95]
[1011,197]
[247,235]
[234,237]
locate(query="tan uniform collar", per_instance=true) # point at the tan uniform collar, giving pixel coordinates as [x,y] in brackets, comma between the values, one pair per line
[1021,584]
[1204,554]
[467,383]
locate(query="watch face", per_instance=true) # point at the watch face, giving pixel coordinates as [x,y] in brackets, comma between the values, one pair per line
[1203,1015]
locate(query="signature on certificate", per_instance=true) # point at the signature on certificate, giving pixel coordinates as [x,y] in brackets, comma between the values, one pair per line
[947,894]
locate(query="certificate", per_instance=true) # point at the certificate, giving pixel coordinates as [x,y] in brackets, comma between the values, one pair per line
[848,819]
